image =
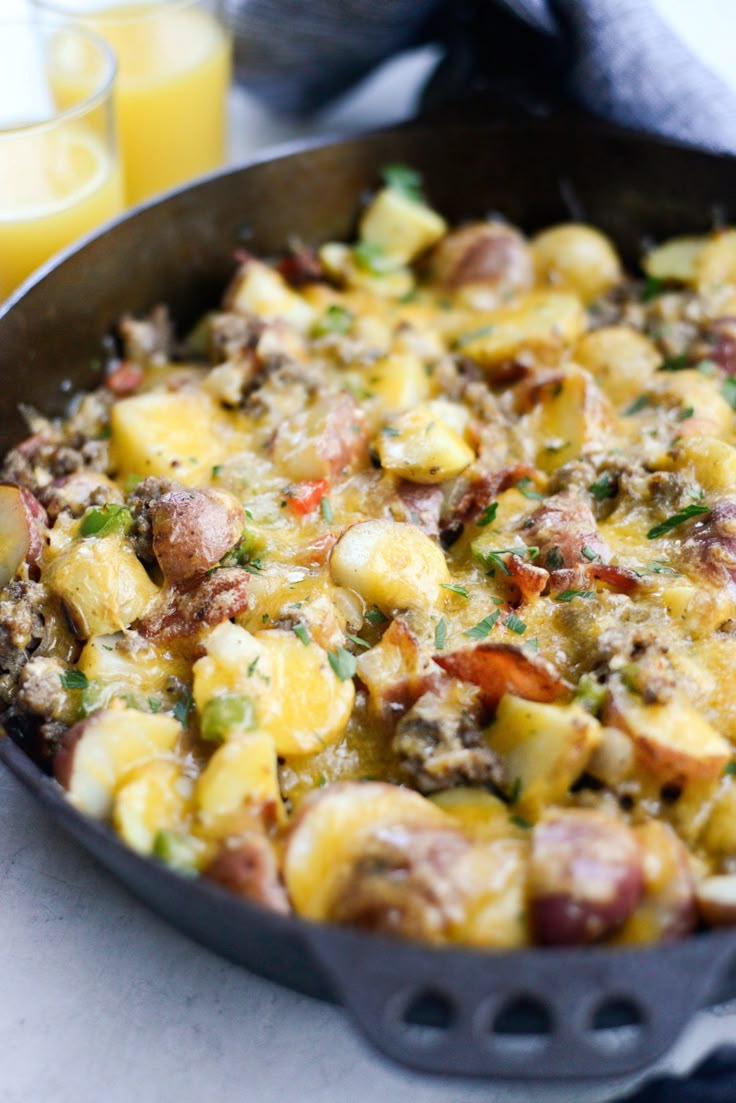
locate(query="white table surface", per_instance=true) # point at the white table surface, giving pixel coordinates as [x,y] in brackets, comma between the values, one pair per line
[101,1001]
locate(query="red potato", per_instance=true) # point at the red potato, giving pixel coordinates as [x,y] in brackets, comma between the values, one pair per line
[249,869]
[323,440]
[479,493]
[561,527]
[23,524]
[96,753]
[176,614]
[667,909]
[420,504]
[716,900]
[499,668]
[585,876]
[488,256]
[710,544]
[193,530]
[125,379]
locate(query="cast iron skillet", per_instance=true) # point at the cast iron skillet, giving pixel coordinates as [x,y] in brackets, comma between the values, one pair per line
[179,250]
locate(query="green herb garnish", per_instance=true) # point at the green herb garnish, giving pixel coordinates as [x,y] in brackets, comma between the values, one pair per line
[357,640]
[570,595]
[474,335]
[301,633]
[638,404]
[675,363]
[454,588]
[527,488]
[375,617]
[729,392]
[589,553]
[603,488]
[326,510]
[484,627]
[519,821]
[488,516]
[336,319]
[371,257]
[182,708]
[677,519]
[405,180]
[440,634]
[343,663]
[514,624]
[74,679]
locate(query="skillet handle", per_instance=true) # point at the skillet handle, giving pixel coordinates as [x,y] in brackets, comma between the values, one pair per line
[521,1015]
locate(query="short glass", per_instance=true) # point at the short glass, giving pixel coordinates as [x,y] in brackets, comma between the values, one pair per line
[59,172]
[174,61]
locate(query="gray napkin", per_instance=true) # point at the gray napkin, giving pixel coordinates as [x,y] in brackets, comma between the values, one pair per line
[616,58]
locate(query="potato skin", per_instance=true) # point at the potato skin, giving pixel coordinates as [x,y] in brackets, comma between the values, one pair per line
[249,869]
[487,253]
[193,530]
[585,876]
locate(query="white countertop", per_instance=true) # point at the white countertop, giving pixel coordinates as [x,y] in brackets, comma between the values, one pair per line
[101,1001]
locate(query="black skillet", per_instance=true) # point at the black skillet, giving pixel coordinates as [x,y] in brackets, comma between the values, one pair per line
[440,1010]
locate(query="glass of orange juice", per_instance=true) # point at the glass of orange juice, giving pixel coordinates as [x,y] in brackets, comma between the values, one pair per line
[59,172]
[174,71]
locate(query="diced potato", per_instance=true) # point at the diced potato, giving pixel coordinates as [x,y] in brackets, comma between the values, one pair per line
[667,909]
[453,414]
[242,772]
[391,564]
[571,412]
[152,798]
[577,258]
[401,226]
[299,700]
[673,741]
[715,265]
[142,668]
[716,899]
[102,583]
[395,383]
[483,263]
[540,323]
[478,811]
[711,461]
[339,263]
[675,259]
[494,878]
[322,440]
[421,447]
[260,290]
[621,360]
[327,835]
[98,752]
[711,414]
[719,834]
[545,748]
[173,434]
[326,610]
[395,670]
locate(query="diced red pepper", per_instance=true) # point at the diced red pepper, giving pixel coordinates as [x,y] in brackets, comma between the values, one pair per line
[125,379]
[306,496]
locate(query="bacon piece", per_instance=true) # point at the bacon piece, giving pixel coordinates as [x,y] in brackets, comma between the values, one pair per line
[125,379]
[530,581]
[301,265]
[499,668]
[584,576]
[175,614]
[485,488]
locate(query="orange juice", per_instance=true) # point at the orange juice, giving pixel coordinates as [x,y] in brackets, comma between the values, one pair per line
[173,74]
[55,185]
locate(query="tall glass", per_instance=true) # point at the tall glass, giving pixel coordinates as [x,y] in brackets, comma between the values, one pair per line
[174,71]
[59,172]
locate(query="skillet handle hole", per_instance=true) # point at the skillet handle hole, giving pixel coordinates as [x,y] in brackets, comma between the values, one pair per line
[616,1025]
[423,1015]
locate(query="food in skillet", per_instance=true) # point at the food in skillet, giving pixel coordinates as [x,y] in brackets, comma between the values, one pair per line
[403,593]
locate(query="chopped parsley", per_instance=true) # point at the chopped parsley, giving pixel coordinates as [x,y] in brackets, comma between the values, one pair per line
[371,257]
[154,705]
[532,644]
[519,821]
[105,520]
[603,488]
[677,519]
[637,405]
[554,560]
[182,708]
[675,363]
[570,595]
[440,634]
[474,335]
[515,624]
[216,470]
[515,791]
[686,413]
[493,558]
[729,392]
[454,588]
[405,180]
[527,488]
[375,617]
[301,633]
[484,627]
[336,319]
[488,516]
[74,679]
[729,769]
[589,553]
[343,663]
[657,567]
[326,510]
[357,640]
[389,431]
[652,287]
